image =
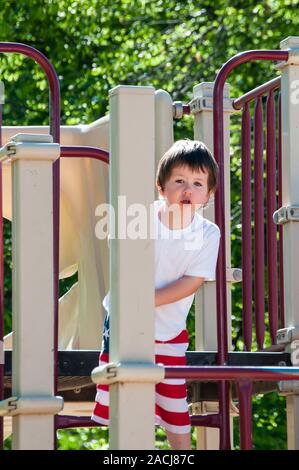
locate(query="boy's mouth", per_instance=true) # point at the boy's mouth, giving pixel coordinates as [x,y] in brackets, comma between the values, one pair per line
[186,201]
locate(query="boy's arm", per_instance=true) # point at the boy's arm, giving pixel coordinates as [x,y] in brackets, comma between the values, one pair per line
[177,290]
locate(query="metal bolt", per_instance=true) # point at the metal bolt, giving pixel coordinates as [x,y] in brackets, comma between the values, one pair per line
[178,110]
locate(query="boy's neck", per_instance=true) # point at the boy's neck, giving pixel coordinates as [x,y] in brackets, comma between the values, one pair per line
[175,221]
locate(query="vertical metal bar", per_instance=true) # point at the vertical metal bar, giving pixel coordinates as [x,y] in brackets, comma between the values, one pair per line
[259,282]
[1,287]
[244,392]
[246,228]
[271,207]
[224,408]
[280,229]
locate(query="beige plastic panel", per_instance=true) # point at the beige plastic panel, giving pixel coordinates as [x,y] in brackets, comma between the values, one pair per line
[84,185]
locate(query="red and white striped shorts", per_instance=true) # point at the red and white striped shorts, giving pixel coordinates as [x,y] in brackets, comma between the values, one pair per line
[171,395]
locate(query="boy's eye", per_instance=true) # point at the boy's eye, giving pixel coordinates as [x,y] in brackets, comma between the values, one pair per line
[197,183]
[178,181]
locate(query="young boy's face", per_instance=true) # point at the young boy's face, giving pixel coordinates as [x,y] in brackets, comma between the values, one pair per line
[186,188]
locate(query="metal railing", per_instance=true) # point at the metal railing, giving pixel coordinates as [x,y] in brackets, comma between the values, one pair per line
[54,118]
[218,118]
[274,249]
[222,373]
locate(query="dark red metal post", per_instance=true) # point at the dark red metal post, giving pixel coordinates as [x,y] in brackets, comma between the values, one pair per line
[246,228]
[244,392]
[271,227]
[259,251]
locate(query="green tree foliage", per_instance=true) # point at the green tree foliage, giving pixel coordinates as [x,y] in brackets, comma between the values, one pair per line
[170,44]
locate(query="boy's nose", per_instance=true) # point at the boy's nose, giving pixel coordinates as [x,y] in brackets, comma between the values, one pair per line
[187,189]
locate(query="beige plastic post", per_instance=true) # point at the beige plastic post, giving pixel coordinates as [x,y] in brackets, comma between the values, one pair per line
[132,145]
[163,123]
[32,159]
[290,197]
[163,126]
[205,300]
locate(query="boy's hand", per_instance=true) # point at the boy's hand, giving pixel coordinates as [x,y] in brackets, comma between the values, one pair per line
[177,290]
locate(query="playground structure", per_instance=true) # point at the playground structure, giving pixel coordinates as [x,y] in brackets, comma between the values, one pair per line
[33,160]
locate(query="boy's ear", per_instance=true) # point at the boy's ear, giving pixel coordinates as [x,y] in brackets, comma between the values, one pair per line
[159,189]
[211,194]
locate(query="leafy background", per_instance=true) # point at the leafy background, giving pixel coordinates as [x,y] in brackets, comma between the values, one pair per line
[170,44]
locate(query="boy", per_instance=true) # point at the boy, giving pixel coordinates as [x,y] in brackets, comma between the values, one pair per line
[186,250]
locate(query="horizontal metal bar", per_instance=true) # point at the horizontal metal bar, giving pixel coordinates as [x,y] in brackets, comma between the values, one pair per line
[210,421]
[271,85]
[76,151]
[67,421]
[186,109]
[79,363]
[231,373]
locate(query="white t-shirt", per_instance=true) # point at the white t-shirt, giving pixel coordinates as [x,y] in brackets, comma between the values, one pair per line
[191,251]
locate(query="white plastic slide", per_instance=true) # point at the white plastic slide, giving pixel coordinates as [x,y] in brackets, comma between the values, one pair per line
[83,186]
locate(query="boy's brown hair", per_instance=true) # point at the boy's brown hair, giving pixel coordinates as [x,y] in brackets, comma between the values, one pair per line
[191,153]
